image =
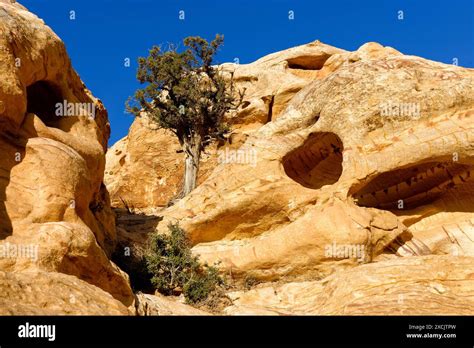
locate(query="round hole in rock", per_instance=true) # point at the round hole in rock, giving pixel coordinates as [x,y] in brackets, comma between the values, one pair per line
[317,162]
[412,186]
[42,97]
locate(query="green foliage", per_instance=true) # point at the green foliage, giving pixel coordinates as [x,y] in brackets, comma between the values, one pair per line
[174,268]
[200,287]
[184,92]
[250,281]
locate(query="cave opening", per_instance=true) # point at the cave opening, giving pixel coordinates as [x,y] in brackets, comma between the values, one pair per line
[42,97]
[317,162]
[308,62]
[433,199]
[413,186]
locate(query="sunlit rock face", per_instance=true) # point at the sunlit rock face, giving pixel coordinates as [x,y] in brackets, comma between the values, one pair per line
[55,213]
[347,181]
[371,161]
[406,286]
[364,157]
[376,154]
[144,170]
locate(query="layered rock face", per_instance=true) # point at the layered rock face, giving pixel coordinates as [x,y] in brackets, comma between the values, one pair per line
[407,286]
[144,170]
[53,293]
[360,184]
[57,230]
[345,187]
[376,155]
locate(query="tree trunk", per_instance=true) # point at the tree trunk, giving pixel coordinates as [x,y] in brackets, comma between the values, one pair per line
[192,149]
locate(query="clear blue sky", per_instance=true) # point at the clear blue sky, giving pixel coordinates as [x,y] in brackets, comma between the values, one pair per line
[105,32]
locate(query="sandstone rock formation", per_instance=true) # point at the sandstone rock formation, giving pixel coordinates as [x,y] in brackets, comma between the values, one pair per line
[359,200]
[55,215]
[353,194]
[374,158]
[52,293]
[406,286]
[144,170]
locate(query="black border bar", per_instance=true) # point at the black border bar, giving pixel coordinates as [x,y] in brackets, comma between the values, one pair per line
[242,331]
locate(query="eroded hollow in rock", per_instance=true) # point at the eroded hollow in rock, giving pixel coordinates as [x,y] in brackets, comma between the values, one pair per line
[308,62]
[317,162]
[42,97]
[413,186]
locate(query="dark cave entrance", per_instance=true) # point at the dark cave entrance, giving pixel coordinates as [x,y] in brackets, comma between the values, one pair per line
[317,162]
[308,62]
[413,186]
[42,97]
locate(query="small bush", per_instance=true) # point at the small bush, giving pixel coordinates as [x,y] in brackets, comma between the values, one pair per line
[250,281]
[198,289]
[174,269]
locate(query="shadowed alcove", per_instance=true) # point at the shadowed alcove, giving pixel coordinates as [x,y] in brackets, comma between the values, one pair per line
[42,97]
[412,186]
[310,62]
[317,162]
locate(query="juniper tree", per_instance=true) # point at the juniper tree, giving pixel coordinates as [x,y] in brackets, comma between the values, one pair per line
[173,267]
[186,94]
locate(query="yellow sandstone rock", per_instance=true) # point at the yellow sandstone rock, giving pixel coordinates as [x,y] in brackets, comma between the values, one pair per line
[357,198]
[376,155]
[55,213]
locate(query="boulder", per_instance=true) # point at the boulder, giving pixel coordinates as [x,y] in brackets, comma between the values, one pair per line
[55,213]
[52,293]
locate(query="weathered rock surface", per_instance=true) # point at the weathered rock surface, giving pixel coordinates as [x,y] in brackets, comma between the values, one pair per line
[359,196]
[374,158]
[161,305]
[351,188]
[144,170]
[52,293]
[430,285]
[55,213]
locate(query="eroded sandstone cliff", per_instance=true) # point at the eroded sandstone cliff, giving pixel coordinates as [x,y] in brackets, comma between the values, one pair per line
[361,185]
[144,170]
[345,187]
[55,215]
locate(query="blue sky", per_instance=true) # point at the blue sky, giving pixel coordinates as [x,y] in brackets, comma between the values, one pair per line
[105,32]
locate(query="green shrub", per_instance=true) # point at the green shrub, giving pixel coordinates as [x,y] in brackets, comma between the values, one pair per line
[174,269]
[250,281]
[199,288]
